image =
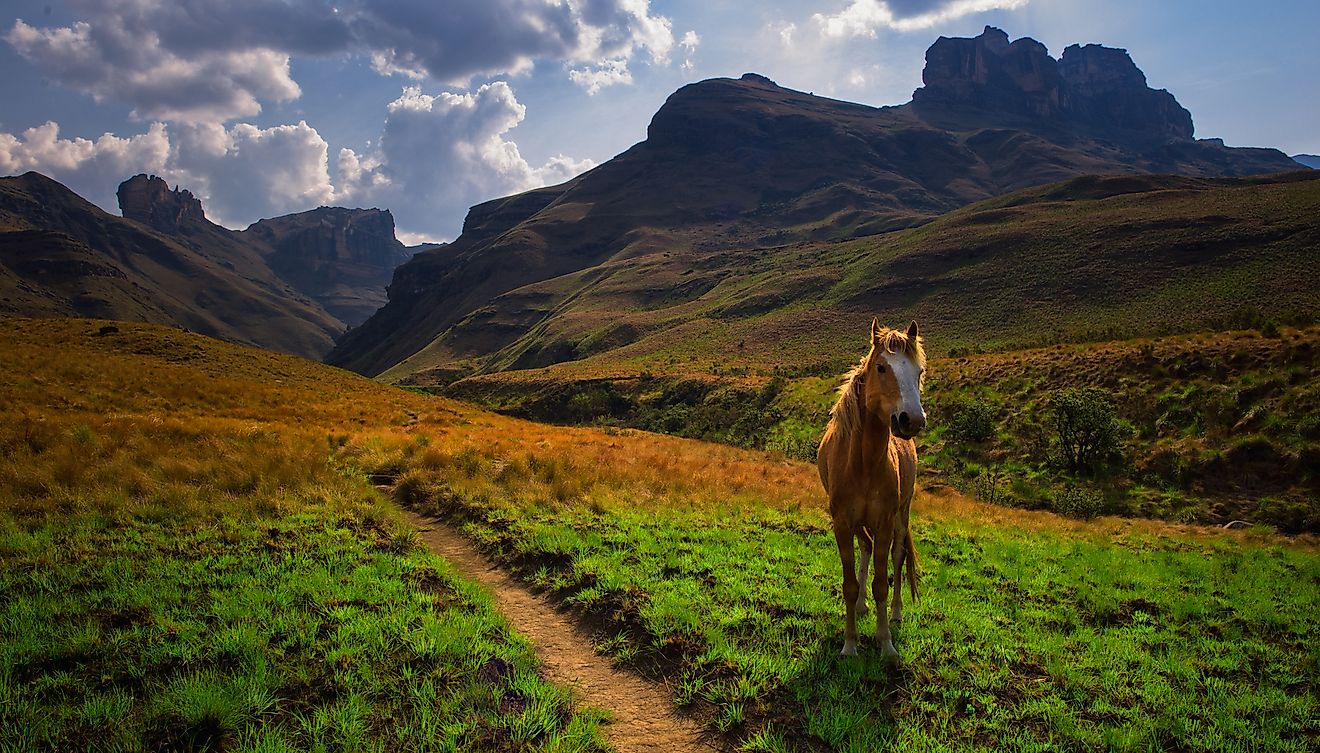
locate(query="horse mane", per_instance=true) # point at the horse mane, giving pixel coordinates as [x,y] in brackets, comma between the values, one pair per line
[846,414]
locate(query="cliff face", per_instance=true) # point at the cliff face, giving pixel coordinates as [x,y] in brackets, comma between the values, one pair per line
[342,258]
[149,200]
[1093,88]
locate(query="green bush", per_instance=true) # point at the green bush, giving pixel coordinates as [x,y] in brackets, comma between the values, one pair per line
[1086,431]
[970,419]
[1079,502]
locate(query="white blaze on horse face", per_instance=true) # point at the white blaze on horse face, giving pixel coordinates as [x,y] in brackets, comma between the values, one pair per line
[908,377]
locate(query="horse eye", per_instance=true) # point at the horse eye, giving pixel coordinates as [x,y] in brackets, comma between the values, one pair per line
[880,369]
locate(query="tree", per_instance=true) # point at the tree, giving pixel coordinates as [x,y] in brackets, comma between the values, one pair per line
[1087,431]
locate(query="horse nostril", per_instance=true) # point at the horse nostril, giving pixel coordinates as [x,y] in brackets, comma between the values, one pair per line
[903,419]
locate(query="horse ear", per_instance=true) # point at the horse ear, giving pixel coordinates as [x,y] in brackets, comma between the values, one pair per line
[875,328]
[912,331]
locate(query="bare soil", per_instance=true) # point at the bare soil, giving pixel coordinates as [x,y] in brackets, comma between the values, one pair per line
[644,719]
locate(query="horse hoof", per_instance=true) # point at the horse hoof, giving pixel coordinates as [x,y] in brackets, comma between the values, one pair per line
[849,648]
[888,652]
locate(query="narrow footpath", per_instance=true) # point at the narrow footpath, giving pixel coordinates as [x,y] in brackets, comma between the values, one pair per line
[644,718]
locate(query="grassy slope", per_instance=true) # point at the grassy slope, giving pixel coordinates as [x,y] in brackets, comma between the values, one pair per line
[715,569]
[1215,427]
[184,569]
[708,565]
[1092,258]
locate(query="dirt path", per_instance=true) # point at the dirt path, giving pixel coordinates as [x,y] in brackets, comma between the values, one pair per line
[644,718]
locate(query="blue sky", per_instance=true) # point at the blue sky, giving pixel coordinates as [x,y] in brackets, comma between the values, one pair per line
[263,107]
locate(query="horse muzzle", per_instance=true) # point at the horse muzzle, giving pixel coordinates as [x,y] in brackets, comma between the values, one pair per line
[905,425]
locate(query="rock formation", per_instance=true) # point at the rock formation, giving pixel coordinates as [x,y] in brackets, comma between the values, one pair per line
[149,200]
[1092,88]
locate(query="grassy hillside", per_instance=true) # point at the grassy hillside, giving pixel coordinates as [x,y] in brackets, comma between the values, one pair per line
[1088,259]
[186,567]
[1208,428]
[188,531]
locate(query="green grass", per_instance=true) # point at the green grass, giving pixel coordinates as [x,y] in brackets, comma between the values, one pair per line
[1023,640]
[311,631]
[184,567]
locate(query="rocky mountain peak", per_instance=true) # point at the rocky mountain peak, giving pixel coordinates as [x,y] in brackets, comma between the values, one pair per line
[1091,87]
[149,200]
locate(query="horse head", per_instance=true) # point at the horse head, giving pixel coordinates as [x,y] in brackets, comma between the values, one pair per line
[893,379]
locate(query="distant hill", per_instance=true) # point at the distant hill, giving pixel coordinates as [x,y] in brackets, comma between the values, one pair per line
[291,283]
[60,255]
[1310,160]
[1093,258]
[731,168]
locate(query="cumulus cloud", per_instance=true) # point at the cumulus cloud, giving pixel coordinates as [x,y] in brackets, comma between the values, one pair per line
[241,173]
[441,153]
[437,155]
[608,73]
[91,168]
[244,173]
[202,61]
[862,18]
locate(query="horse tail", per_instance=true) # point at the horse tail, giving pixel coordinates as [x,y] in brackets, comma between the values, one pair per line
[910,554]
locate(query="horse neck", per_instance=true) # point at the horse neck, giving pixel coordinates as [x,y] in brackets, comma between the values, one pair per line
[872,440]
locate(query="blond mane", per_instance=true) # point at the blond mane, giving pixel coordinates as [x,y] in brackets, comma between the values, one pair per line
[845,416]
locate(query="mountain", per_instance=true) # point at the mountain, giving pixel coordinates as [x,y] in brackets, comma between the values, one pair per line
[1092,258]
[60,255]
[732,167]
[340,258]
[1309,160]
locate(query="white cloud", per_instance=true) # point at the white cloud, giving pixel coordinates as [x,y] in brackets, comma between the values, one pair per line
[91,168]
[240,173]
[862,18]
[441,153]
[438,155]
[244,173]
[690,41]
[608,73]
[199,61]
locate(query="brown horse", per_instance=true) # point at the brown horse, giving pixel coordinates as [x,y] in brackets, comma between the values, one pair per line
[868,464]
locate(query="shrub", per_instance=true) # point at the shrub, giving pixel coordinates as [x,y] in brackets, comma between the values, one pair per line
[1086,430]
[971,420]
[1077,501]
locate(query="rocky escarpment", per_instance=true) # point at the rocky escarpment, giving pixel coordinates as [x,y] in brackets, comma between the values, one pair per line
[149,200]
[1093,88]
[342,258]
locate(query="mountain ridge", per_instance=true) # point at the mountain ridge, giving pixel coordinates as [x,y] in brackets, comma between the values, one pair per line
[742,164]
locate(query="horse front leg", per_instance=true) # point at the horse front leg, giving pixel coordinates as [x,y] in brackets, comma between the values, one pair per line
[863,568]
[899,557]
[843,536]
[884,536]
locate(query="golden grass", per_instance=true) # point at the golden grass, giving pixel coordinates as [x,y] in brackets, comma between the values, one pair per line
[154,419]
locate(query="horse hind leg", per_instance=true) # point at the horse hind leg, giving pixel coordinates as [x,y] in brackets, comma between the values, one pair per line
[863,566]
[843,536]
[880,587]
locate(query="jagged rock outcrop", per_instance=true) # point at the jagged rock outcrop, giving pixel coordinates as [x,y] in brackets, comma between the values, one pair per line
[1093,88]
[149,200]
[342,258]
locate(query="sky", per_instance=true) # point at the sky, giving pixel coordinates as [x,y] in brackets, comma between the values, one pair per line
[426,107]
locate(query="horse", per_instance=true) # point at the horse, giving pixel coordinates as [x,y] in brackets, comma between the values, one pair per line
[868,465]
